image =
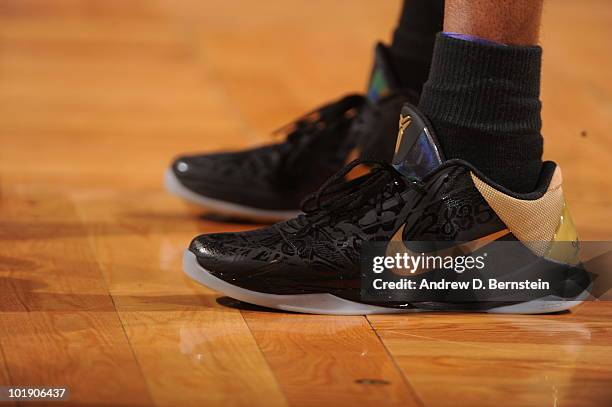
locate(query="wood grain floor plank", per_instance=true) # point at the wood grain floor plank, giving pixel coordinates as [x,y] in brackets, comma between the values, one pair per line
[157,90]
[465,373]
[58,322]
[4,374]
[192,350]
[324,360]
[525,360]
[575,95]
[203,357]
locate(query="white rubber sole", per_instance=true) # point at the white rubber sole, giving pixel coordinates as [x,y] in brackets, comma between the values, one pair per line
[174,186]
[332,305]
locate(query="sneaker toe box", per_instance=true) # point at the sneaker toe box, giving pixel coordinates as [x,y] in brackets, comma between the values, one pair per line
[233,258]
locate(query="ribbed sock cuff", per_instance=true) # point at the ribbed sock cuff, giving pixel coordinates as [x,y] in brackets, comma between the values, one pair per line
[486,87]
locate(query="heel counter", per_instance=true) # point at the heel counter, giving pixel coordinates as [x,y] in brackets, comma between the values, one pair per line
[542,223]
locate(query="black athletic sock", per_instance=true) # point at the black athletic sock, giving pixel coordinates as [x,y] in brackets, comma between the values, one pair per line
[483,102]
[413,41]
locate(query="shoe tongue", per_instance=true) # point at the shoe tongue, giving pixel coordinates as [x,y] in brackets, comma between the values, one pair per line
[417,152]
[382,79]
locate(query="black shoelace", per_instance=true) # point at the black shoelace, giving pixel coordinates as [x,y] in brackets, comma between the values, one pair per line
[339,199]
[306,129]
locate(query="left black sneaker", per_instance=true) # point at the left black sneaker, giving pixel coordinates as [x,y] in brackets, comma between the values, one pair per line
[269,182]
[312,263]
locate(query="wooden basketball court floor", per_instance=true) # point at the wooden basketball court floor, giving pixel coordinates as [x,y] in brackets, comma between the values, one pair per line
[95,99]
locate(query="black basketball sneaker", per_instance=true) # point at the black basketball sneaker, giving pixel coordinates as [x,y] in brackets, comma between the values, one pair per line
[311,263]
[269,182]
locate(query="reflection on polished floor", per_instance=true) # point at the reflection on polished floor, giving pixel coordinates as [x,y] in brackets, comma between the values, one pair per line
[97,96]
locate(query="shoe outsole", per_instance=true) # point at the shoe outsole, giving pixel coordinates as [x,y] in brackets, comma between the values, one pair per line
[174,186]
[330,304]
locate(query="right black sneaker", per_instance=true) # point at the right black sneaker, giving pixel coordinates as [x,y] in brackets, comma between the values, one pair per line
[270,182]
[421,208]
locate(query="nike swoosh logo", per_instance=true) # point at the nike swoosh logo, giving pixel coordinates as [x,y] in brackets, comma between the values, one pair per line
[465,248]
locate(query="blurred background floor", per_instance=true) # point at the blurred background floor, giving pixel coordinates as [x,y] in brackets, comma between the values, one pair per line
[95,99]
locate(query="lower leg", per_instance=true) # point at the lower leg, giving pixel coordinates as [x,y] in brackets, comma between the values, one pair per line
[483,96]
[413,41]
[514,22]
